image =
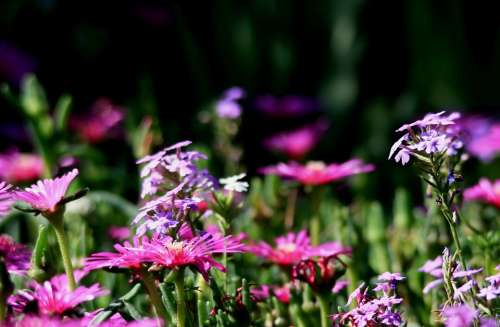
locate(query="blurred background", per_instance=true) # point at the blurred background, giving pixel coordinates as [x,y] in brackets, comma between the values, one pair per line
[365,67]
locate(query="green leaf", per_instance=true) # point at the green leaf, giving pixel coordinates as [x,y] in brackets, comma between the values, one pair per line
[62,112]
[33,99]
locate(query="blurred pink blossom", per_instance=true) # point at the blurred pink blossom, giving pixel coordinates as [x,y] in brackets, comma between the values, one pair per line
[485,191]
[17,167]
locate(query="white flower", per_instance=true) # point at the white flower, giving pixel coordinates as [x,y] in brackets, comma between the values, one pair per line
[233,183]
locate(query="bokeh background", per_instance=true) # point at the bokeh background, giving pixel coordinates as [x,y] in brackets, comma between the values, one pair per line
[368,66]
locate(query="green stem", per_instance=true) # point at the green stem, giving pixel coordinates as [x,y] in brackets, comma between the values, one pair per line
[324,309]
[315,223]
[154,295]
[181,298]
[63,246]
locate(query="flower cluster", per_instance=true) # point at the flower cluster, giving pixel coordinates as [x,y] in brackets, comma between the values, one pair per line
[165,252]
[434,134]
[173,185]
[318,173]
[295,247]
[482,137]
[378,310]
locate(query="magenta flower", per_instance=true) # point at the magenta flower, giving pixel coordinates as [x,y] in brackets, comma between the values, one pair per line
[287,106]
[53,297]
[100,123]
[127,256]
[317,173]
[167,253]
[16,256]
[297,143]
[196,252]
[115,321]
[6,200]
[16,167]
[459,316]
[46,194]
[485,191]
[119,233]
[228,106]
[295,247]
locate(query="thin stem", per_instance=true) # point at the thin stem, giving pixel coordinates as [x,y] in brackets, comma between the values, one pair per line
[181,298]
[154,295]
[315,223]
[324,309]
[290,208]
[63,246]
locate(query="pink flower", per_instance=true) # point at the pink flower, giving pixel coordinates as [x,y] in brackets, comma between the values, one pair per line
[127,256]
[16,167]
[459,316]
[167,253]
[297,143]
[16,256]
[317,173]
[294,247]
[53,297]
[104,117]
[196,252]
[6,200]
[46,194]
[119,233]
[115,321]
[485,191]
[482,136]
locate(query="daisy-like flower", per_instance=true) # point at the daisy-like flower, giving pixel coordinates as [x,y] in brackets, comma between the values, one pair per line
[297,143]
[46,195]
[167,253]
[6,200]
[485,191]
[53,297]
[115,321]
[16,256]
[228,106]
[100,123]
[127,256]
[196,252]
[294,247]
[17,167]
[287,106]
[435,133]
[318,173]
[234,183]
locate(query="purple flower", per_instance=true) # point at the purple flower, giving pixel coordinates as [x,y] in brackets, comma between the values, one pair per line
[287,106]
[228,106]
[46,194]
[482,137]
[14,63]
[6,200]
[435,133]
[16,256]
[297,143]
[458,316]
[492,291]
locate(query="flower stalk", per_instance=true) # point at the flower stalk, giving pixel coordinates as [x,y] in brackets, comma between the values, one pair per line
[63,247]
[181,298]
[154,295]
